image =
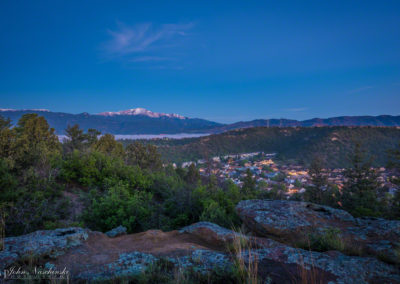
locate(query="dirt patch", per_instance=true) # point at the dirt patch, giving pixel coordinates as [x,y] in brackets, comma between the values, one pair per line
[76,206]
[100,250]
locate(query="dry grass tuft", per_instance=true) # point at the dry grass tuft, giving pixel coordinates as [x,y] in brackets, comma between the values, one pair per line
[245,258]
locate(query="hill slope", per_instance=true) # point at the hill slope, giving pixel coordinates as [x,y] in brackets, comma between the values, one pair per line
[299,144]
[381,120]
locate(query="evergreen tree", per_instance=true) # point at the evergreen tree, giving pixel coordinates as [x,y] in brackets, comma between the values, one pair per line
[192,176]
[108,145]
[92,136]
[75,139]
[319,181]
[144,156]
[249,183]
[360,189]
[36,144]
[4,123]
[7,140]
[394,165]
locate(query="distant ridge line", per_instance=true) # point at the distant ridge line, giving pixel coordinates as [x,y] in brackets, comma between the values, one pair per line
[142,121]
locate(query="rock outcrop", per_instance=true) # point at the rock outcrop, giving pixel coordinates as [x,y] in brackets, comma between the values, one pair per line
[41,244]
[104,258]
[118,231]
[284,264]
[205,248]
[294,222]
[212,233]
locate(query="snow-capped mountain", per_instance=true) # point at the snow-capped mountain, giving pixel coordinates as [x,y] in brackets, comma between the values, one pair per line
[142,121]
[142,111]
[127,122]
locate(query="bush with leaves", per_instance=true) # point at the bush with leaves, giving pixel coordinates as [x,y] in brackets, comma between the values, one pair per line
[119,205]
[30,154]
[144,156]
[95,168]
[214,213]
[36,145]
[109,146]
[327,239]
[31,205]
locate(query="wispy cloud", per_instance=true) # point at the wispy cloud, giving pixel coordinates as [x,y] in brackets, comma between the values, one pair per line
[359,90]
[296,109]
[145,42]
[150,59]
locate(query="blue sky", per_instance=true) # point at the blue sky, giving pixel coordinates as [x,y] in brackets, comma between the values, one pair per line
[220,60]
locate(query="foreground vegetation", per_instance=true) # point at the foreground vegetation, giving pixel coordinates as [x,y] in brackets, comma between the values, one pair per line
[115,186]
[93,181]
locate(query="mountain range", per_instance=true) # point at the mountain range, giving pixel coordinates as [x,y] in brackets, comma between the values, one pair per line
[142,121]
[133,121]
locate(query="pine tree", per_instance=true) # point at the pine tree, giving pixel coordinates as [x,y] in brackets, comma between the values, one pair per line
[144,156]
[394,165]
[249,183]
[75,138]
[360,189]
[192,176]
[319,181]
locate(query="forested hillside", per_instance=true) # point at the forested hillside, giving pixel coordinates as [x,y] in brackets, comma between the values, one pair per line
[333,144]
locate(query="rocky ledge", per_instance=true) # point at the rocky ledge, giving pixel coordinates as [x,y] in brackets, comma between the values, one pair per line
[206,247]
[297,223]
[41,244]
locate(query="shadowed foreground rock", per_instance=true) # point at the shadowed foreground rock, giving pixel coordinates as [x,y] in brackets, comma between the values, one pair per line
[284,264]
[118,231]
[212,233]
[201,247]
[41,244]
[103,258]
[293,222]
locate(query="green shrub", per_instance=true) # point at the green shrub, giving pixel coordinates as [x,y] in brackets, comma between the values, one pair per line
[118,206]
[97,169]
[328,239]
[215,214]
[33,205]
